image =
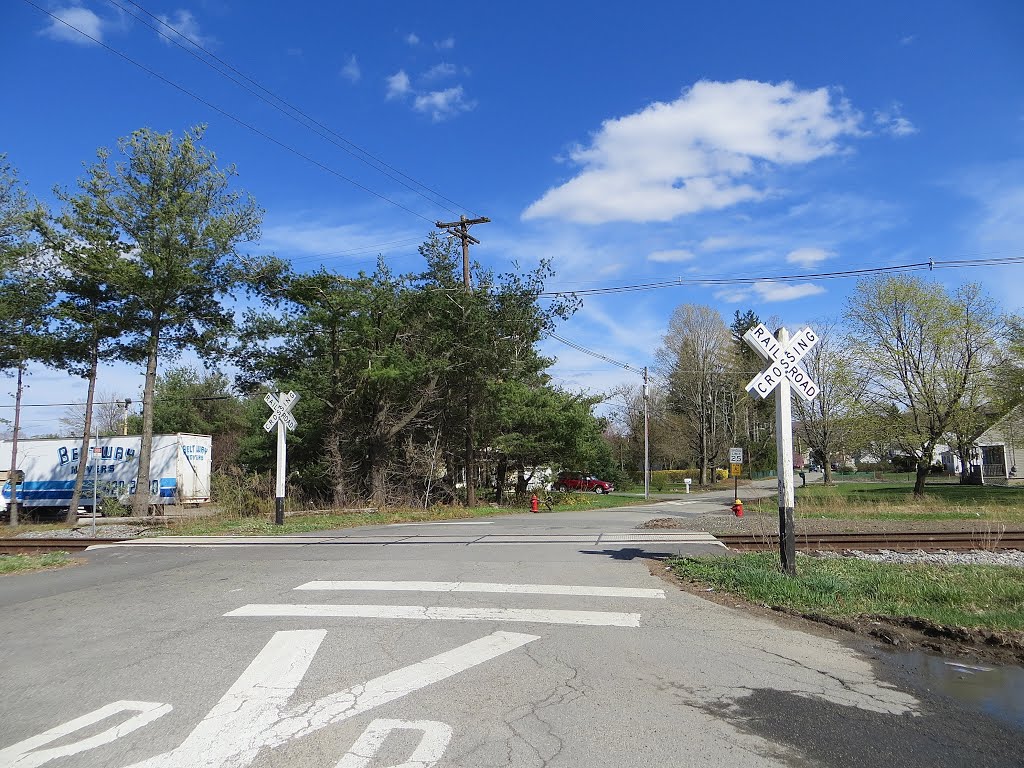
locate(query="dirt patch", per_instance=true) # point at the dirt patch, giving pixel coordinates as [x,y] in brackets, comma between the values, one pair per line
[755,524]
[899,632]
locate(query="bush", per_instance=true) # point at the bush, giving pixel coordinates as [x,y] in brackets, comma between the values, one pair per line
[663,477]
[721,475]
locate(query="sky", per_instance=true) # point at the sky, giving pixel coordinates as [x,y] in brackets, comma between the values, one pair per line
[628,143]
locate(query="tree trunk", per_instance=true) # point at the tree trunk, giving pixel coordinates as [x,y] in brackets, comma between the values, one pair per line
[76,494]
[470,464]
[922,475]
[14,446]
[826,468]
[140,502]
[500,477]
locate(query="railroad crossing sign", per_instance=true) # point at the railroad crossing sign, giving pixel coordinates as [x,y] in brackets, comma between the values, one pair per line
[281,405]
[783,362]
[282,418]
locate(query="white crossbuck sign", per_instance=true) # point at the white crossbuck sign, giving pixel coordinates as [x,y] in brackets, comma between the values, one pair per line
[783,362]
[282,409]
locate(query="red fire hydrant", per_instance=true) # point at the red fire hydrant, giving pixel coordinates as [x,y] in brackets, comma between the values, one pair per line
[534,503]
[737,508]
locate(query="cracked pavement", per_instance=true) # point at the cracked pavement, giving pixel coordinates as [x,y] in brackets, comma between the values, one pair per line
[697,683]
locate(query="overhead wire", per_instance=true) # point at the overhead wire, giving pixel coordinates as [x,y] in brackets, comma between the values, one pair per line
[840,274]
[232,117]
[293,112]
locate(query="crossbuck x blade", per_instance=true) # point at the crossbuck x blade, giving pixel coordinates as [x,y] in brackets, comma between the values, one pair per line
[784,362]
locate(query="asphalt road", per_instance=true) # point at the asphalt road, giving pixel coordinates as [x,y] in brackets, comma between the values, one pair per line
[535,640]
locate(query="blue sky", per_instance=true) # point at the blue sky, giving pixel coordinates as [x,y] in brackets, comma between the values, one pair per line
[628,142]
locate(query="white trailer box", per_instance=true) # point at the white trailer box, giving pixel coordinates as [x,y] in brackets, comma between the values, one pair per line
[179,471]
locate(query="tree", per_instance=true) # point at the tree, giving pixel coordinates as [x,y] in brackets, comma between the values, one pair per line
[90,313]
[695,364]
[108,416]
[26,297]
[171,204]
[826,421]
[921,348]
[201,403]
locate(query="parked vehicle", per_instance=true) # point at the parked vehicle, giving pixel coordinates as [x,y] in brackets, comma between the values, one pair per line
[576,481]
[179,470]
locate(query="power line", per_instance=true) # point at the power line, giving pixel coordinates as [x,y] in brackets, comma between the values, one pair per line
[230,116]
[299,116]
[121,402]
[727,281]
[593,353]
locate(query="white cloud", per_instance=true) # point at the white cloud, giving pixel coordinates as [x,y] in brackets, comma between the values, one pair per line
[908,39]
[892,121]
[442,105]
[732,295]
[412,39]
[671,256]
[351,71]
[398,85]
[82,18]
[697,152]
[771,291]
[445,45]
[439,71]
[808,257]
[185,24]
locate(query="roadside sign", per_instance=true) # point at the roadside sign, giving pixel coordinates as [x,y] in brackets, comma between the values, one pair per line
[282,419]
[783,360]
[735,470]
[735,455]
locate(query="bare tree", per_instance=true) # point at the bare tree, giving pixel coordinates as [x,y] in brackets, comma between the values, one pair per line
[921,349]
[108,416]
[695,362]
[827,421]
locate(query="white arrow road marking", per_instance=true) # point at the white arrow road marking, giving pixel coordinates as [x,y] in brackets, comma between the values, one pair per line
[435,740]
[476,586]
[251,716]
[27,753]
[443,613]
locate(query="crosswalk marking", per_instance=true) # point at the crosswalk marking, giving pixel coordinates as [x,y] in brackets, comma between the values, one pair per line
[443,613]
[475,586]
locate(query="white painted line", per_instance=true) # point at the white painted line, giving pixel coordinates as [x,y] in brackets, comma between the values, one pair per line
[475,586]
[27,753]
[235,726]
[252,716]
[443,613]
[447,522]
[430,749]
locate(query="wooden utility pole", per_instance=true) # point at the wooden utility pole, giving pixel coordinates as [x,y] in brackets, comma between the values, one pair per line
[460,229]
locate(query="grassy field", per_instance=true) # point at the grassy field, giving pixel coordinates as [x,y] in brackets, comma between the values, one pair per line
[971,596]
[24,563]
[895,501]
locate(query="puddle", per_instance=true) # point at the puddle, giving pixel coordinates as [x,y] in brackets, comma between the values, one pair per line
[998,691]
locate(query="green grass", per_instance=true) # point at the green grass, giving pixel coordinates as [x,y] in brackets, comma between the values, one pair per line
[896,501]
[263,526]
[25,563]
[960,595]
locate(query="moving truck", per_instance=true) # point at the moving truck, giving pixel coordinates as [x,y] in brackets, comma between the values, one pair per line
[179,471]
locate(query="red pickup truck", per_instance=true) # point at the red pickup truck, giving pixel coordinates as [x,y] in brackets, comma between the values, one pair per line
[575,481]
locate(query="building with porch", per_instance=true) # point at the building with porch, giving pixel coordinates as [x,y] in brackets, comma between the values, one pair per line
[1000,448]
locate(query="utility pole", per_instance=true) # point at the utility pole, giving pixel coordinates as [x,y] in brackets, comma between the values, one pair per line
[14,447]
[460,230]
[647,440]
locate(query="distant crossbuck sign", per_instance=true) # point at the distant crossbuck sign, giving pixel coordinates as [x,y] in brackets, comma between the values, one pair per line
[282,409]
[783,362]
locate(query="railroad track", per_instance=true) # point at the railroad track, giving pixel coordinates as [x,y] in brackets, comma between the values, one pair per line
[39,546]
[903,541]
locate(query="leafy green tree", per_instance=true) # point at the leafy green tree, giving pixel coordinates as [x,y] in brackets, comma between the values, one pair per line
[26,297]
[89,315]
[173,206]
[187,400]
[921,347]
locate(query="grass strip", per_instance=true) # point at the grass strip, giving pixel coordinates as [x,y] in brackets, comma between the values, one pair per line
[264,526]
[25,563]
[895,501]
[988,596]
